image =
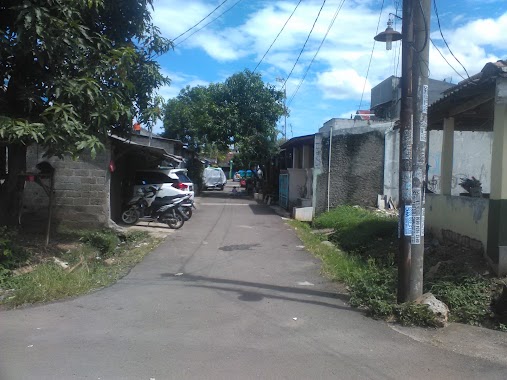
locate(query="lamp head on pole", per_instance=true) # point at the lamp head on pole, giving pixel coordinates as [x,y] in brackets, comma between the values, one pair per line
[388,36]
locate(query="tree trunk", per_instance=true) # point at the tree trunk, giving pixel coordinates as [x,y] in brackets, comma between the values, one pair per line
[11,190]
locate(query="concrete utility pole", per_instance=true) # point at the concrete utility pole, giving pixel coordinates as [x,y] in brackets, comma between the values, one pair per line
[413,142]
[405,164]
[284,107]
[422,13]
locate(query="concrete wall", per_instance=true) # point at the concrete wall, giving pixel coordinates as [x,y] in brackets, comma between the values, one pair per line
[357,168]
[81,190]
[300,185]
[472,157]
[466,217]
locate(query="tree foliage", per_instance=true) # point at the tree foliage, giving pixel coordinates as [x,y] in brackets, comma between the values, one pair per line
[242,111]
[75,70]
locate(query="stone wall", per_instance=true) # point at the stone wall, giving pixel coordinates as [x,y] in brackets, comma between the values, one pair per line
[81,190]
[357,168]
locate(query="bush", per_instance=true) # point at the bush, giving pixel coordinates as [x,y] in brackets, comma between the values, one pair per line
[357,228]
[11,256]
[105,241]
[468,298]
[411,314]
[374,289]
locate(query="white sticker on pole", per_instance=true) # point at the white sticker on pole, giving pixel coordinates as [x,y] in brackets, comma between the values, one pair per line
[425,98]
[408,220]
[422,220]
[416,230]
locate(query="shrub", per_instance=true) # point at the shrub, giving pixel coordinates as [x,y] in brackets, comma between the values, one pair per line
[11,256]
[411,314]
[374,289]
[105,241]
[357,228]
[468,298]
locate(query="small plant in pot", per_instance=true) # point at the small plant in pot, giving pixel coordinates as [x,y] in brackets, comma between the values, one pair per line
[472,185]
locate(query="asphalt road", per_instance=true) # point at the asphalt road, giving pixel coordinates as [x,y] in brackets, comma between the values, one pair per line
[232,295]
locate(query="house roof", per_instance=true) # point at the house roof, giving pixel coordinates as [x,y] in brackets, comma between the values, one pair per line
[470,102]
[149,149]
[300,140]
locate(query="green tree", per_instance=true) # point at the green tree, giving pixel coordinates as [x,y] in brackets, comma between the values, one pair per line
[73,71]
[242,111]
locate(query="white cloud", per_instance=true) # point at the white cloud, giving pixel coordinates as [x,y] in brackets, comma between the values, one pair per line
[342,84]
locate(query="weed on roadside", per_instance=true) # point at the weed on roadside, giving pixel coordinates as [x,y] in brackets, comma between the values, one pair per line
[366,262]
[97,259]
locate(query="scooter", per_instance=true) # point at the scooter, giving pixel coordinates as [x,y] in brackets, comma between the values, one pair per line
[148,207]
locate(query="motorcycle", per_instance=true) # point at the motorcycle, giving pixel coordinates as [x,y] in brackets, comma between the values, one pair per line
[148,207]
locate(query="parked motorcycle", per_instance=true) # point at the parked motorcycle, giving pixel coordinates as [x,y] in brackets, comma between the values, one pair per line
[146,206]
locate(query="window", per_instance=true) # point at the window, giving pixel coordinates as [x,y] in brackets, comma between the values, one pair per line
[152,178]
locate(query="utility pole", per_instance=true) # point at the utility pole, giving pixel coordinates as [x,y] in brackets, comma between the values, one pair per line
[413,142]
[420,70]
[284,107]
[405,164]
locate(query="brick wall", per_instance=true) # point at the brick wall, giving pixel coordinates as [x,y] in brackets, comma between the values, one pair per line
[81,190]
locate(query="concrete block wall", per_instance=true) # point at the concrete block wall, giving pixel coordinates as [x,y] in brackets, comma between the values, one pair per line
[357,169]
[81,190]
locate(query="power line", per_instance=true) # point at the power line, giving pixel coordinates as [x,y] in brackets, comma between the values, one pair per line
[317,52]
[446,61]
[209,14]
[371,57]
[443,38]
[303,48]
[278,35]
[204,26]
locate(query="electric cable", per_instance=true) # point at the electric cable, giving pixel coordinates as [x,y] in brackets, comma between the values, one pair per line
[446,61]
[204,26]
[209,14]
[317,52]
[426,27]
[443,38]
[371,57]
[278,35]
[304,45]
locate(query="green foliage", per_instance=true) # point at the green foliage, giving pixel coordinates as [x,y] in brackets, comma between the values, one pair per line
[11,256]
[367,266]
[106,241]
[242,111]
[72,74]
[373,288]
[411,314]
[356,228]
[468,297]
[49,282]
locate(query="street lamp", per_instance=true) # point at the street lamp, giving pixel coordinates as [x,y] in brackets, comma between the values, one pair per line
[388,36]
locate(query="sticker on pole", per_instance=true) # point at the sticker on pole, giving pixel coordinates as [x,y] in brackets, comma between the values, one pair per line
[408,221]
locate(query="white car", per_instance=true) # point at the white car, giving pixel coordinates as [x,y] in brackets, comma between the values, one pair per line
[213,178]
[185,184]
[167,184]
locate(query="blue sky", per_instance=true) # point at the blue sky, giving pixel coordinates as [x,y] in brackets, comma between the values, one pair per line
[474,29]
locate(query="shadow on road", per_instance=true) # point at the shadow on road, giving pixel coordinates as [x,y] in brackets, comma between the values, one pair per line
[249,295]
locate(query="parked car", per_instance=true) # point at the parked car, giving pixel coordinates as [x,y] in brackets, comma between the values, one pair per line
[214,178]
[168,183]
[184,182]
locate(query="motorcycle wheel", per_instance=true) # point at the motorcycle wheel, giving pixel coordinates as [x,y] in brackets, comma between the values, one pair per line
[175,221]
[187,211]
[130,216]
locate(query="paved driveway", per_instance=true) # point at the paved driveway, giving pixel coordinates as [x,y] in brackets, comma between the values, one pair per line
[232,295]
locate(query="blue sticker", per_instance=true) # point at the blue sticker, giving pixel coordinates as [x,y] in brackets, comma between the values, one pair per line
[408,220]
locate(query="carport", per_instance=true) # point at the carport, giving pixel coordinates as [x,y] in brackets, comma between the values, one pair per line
[127,158]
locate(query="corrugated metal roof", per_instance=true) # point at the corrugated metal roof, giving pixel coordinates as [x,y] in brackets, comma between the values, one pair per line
[489,71]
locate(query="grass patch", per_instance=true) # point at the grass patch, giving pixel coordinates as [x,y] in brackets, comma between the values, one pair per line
[365,260]
[96,259]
